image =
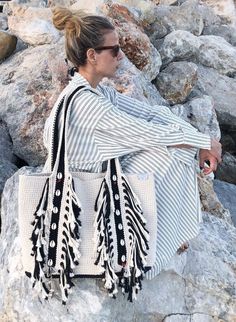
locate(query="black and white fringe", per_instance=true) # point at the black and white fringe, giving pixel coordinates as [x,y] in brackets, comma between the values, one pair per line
[135,235]
[57,216]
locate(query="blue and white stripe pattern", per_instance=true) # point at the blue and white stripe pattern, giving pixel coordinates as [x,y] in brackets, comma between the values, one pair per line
[105,124]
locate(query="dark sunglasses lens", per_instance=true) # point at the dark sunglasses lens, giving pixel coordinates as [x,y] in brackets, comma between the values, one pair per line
[115,50]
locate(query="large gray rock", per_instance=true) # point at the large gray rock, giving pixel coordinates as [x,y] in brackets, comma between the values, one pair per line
[200,112]
[3,21]
[223,91]
[226,171]
[31,24]
[176,81]
[202,115]
[196,286]
[224,8]
[209,199]
[7,159]
[226,193]
[216,52]
[169,18]
[32,78]
[179,45]
[225,31]
[210,51]
[7,44]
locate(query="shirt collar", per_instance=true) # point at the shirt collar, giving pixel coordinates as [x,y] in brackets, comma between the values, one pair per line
[79,80]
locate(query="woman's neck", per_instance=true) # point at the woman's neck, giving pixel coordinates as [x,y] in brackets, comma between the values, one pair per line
[90,76]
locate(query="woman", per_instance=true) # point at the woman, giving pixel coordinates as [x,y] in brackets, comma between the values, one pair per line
[108,124]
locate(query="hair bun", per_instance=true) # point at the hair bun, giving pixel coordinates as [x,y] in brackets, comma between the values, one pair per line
[61,17]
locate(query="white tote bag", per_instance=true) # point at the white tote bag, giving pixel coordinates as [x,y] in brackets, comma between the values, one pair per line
[86,224]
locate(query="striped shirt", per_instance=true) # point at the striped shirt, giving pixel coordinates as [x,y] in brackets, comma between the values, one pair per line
[105,124]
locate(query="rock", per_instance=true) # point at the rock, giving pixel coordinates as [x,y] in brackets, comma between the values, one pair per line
[203,277]
[226,170]
[226,193]
[223,8]
[35,77]
[217,53]
[228,143]
[7,159]
[131,82]
[62,3]
[223,91]
[209,200]
[135,43]
[32,25]
[186,17]
[7,44]
[202,115]
[208,15]
[3,21]
[176,81]
[94,6]
[179,45]
[210,51]
[225,31]
[7,169]
[167,2]
[5,144]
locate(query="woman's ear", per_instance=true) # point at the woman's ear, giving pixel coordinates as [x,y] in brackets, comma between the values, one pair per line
[91,56]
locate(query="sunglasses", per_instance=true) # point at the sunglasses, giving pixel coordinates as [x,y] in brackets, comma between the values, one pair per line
[114,49]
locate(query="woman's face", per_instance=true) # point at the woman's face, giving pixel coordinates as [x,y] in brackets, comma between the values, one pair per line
[108,60]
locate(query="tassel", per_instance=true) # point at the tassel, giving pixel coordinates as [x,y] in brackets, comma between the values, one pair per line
[138,236]
[103,238]
[71,241]
[136,246]
[39,251]
[70,253]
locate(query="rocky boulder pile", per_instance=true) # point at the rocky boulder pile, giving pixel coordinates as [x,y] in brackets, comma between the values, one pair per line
[178,53]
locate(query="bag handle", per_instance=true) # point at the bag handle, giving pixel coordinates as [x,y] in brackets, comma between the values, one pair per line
[59,157]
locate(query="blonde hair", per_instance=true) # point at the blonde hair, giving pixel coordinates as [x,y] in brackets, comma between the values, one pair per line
[82,32]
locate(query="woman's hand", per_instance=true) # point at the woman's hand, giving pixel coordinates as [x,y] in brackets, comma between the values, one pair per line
[216,150]
[205,155]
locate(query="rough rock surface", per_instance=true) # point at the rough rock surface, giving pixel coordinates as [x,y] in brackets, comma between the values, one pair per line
[179,45]
[185,17]
[134,42]
[176,81]
[217,53]
[210,51]
[7,44]
[32,25]
[226,193]
[35,90]
[224,8]
[225,31]
[209,200]
[3,21]
[223,91]
[7,159]
[203,277]
[202,115]
[200,112]
[226,171]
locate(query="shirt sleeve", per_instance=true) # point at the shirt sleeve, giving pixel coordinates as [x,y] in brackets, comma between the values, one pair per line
[158,114]
[125,133]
